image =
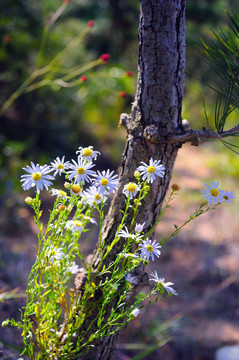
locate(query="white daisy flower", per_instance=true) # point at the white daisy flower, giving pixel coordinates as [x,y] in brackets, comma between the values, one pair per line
[73,268]
[151,170]
[88,153]
[124,232]
[211,194]
[139,227]
[59,193]
[149,249]
[131,279]
[226,196]
[93,196]
[74,225]
[166,286]
[106,181]
[59,165]
[37,176]
[135,312]
[89,218]
[135,256]
[81,170]
[54,254]
[130,189]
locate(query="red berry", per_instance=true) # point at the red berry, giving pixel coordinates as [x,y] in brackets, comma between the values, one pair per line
[83,78]
[90,23]
[129,73]
[6,38]
[122,94]
[105,58]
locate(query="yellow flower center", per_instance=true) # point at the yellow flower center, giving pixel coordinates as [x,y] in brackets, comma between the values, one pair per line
[91,289]
[77,223]
[62,193]
[76,189]
[225,197]
[97,196]
[149,248]
[151,169]
[104,182]
[214,192]
[60,166]
[36,176]
[131,187]
[80,170]
[87,152]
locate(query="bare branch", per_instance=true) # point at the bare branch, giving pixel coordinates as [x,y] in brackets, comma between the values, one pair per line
[204,133]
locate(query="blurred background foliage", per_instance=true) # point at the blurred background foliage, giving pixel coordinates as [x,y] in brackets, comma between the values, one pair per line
[53,120]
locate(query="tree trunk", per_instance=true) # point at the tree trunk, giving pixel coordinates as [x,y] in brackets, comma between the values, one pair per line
[156,113]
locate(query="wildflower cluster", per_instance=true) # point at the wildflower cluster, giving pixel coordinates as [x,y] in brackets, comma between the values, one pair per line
[215,195]
[54,316]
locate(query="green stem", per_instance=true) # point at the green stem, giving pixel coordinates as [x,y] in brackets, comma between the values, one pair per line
[161,213]
[197,213]
[141,196]
[56,61]
[82,69]
[21,89]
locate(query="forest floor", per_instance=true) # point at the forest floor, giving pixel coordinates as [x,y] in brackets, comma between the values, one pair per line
[202,261]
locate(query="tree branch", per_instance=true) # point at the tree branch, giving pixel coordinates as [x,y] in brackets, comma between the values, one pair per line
[204,133]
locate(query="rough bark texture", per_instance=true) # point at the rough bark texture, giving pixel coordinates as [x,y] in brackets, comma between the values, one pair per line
[156,113]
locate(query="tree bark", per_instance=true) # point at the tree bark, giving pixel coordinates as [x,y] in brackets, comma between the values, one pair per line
[156,113]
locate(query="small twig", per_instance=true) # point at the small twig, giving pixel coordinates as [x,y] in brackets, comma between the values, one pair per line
[204,133]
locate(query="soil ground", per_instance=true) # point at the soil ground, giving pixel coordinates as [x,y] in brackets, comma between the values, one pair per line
[202,261]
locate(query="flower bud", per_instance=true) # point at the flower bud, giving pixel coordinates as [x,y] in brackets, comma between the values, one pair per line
[76,189]
[67,185]
[175,187]
[70,207]
[139,227]
[136,174]
[5,323]
[61,207]
[192,216]
[29,200]
[134,313]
